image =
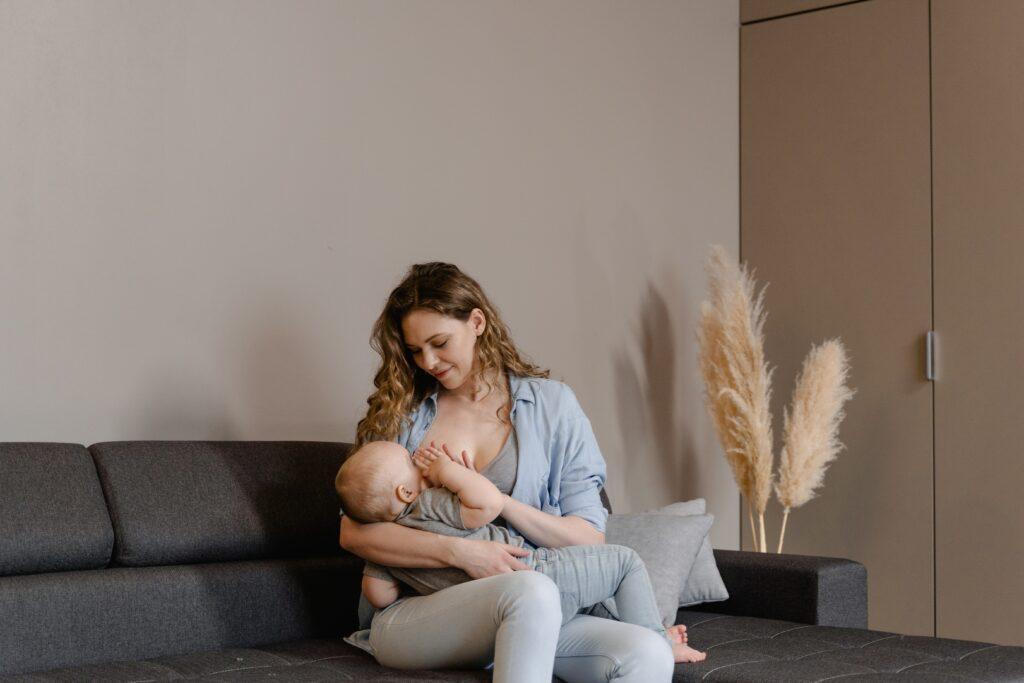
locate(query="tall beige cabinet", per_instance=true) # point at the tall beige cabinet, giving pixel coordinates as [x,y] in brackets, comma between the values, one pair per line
[978,132]
[882,157]
[835,215]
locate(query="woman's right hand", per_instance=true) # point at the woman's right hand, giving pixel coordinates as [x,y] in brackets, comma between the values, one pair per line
[481,559]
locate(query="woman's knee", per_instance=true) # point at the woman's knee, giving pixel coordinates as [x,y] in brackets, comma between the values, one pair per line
[532,592]
[649,658]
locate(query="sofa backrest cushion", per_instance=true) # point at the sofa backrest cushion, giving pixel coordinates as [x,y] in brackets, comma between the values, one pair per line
[52,513]
[177,502]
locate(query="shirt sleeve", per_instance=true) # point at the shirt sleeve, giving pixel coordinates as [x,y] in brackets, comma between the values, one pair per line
[438,504]
[583,468]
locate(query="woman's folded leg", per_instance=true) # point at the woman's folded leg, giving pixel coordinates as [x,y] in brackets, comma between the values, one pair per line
[511,619]
[591,649]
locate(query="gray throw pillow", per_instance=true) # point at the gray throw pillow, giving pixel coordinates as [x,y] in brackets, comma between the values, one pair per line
[704,583]
[668,544]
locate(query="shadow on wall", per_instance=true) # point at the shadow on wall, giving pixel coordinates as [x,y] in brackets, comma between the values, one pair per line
[658,459]
[653,380]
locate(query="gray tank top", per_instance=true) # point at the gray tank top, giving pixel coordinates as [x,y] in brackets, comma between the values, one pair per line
[502,470]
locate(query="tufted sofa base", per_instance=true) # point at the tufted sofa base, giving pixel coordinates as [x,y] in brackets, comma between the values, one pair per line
[739,649]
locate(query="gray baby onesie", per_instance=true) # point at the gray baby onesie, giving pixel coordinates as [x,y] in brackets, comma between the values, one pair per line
[437,510]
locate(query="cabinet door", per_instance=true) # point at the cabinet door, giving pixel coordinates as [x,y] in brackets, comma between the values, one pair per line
[835,215]
[978,118]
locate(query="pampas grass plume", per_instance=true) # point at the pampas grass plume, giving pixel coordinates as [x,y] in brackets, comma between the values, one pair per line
[737,380]
[810,428]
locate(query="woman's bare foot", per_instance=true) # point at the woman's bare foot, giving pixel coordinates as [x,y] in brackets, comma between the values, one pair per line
[685,653]
[677,633]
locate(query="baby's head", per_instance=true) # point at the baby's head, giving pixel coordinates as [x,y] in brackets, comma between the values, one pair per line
[377,481]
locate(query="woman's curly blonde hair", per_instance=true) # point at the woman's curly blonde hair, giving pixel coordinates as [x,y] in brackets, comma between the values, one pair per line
[401,384]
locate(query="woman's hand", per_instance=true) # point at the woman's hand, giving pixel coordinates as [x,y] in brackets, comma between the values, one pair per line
[481,559]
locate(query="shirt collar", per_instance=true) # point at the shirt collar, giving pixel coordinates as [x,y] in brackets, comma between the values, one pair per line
[521,391]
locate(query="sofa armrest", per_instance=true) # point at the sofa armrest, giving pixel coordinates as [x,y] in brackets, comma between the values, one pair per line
[825,591]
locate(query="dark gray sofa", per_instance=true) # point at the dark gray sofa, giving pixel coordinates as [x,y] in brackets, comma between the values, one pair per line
[170,560]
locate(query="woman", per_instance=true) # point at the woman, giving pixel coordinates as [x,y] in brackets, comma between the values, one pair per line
[451,375]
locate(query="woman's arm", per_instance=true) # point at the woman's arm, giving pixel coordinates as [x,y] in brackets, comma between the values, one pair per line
[548,530]
[394,545]
[580,475]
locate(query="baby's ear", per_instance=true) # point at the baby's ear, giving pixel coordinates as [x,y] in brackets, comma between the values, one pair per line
[404,494]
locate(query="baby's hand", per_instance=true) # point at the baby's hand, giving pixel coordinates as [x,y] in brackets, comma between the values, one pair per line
[464,458]
[424,456]
[434,470]
[430,462]
[432,451]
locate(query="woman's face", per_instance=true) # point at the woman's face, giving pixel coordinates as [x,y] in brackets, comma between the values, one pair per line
[443,346]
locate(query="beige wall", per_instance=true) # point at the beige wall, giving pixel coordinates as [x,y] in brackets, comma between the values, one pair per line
[204,204]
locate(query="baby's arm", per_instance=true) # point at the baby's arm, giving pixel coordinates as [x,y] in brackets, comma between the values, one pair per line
[480,501]
[380,592]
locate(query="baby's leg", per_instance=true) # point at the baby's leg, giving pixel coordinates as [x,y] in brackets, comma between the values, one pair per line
[587,575]
[634,603]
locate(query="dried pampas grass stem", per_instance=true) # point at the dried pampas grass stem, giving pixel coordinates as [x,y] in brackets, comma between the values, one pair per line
[810,428]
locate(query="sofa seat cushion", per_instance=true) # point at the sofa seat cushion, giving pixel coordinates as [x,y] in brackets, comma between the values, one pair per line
[739,649]
[754,649]
[80,618]
[306,660]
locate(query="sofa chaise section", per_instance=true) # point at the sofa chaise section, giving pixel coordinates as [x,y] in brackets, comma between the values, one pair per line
[796,618]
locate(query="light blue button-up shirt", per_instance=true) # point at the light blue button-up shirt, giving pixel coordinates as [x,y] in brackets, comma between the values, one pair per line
[561,470]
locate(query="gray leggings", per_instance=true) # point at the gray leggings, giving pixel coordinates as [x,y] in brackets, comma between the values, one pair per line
[515,621]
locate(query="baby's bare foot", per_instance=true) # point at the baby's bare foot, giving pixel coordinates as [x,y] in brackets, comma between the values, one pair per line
[677,633]
[685,653]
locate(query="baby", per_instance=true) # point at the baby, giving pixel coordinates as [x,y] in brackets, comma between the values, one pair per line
[381,483]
